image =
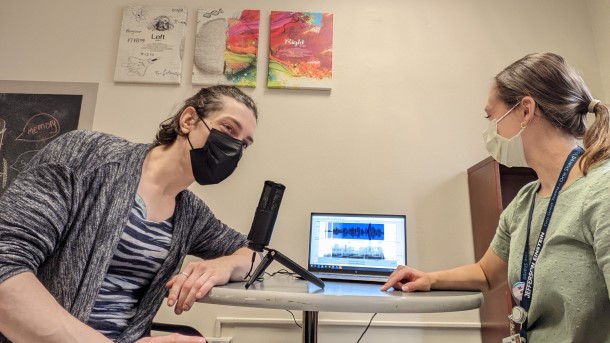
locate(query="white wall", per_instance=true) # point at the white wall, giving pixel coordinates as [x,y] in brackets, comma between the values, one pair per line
[395,135]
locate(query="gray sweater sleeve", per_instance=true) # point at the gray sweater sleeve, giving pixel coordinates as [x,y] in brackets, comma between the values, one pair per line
[34,211]
[210,238]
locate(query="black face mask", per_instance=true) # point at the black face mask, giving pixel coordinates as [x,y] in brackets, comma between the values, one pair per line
[217,159]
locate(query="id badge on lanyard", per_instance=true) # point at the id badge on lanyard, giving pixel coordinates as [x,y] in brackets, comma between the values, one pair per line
[516,338]
[522,291]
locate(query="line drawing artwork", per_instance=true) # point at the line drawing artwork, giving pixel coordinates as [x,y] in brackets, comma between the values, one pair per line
[28,122]
[150,45]
[161,23]
[22,161]
[213,13]
[138,66]
[39,128]
[138,13]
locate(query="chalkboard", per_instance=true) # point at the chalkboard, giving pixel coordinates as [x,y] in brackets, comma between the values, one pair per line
[28,122]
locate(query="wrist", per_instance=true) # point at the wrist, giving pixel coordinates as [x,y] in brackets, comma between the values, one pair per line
[242,262]
[434,280]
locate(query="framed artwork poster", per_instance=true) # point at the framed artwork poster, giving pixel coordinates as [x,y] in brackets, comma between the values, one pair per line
[32,114]
[150,45]
[226,47]
[300,50]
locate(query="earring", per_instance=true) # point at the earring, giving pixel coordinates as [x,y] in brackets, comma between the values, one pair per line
[524,124]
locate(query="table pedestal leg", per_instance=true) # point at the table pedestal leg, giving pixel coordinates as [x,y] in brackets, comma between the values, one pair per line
[310,326]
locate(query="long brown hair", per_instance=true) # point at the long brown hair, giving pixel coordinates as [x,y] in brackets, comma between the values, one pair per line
[563,99]
[206,101]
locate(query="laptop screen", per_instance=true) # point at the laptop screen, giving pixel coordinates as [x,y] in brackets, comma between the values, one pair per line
[357,243]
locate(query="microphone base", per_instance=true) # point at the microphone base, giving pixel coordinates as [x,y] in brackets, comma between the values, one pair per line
[272,255]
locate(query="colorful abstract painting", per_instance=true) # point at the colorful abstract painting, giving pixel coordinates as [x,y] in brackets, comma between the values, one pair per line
[300,50]
[226,47]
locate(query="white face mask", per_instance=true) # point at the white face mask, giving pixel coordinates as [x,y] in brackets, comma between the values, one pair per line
[508,152]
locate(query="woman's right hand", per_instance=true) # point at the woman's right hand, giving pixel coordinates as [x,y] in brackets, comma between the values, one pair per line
[173,338]
[407,279]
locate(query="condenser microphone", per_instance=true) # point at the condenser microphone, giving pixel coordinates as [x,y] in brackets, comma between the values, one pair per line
[265,216]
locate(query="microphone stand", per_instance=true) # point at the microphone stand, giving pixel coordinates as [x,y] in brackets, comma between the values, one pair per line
[273,254]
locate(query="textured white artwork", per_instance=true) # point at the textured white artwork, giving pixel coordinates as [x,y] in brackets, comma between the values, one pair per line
[210,45]
[150,45]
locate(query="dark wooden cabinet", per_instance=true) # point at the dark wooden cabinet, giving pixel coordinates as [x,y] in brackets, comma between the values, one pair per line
[492,186]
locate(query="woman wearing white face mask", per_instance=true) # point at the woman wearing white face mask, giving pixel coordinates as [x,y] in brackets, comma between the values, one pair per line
[552,244]
[509,152]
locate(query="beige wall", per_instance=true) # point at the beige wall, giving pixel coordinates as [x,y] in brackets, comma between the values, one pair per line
[395,135]
[600,24]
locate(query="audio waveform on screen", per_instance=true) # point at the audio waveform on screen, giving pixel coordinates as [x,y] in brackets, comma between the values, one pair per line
[344,251]
[356,231]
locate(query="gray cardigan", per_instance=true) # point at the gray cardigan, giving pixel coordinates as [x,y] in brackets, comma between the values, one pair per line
[62,218]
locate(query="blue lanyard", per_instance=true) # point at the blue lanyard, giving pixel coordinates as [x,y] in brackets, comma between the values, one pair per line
[527,269]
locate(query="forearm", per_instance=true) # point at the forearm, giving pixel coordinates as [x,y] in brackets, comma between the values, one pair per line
[29,313]
[490,272]
[242,259]
[468,277]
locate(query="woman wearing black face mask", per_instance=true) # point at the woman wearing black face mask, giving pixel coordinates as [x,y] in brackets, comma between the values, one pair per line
[118,220]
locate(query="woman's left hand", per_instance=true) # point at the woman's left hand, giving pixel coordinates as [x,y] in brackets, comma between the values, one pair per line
[196,280]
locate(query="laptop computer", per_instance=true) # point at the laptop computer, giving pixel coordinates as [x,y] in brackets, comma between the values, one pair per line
[356,247]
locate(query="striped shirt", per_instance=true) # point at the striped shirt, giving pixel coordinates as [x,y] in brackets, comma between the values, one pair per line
[141,251]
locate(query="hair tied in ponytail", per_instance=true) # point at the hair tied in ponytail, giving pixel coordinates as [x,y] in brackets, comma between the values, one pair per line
[592,105]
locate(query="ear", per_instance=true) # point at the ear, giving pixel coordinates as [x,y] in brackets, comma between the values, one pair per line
[529,108]
[188,119]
